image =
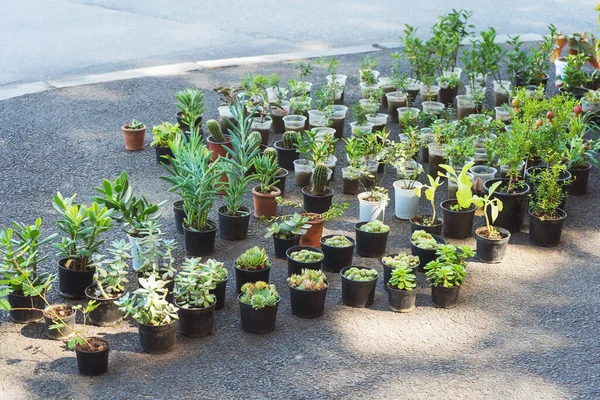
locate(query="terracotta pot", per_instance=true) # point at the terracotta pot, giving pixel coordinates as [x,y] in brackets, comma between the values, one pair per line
[312,237]
[134,138]
[218,148]
[264,203]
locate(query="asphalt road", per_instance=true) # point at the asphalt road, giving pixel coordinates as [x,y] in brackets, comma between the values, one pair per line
[50,39]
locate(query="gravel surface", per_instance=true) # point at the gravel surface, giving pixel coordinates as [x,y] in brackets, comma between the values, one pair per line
[524,328]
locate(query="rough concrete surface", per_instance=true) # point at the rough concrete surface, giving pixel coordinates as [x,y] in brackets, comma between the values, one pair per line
[524,328]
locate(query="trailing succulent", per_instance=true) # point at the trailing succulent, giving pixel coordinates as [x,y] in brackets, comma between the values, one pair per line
[259,294]
[360,274]
[253,259]
[309,279]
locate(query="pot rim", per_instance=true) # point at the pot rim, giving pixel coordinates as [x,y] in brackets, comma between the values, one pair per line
[437,238]
[563,212]
[63,260]
[208,221]
[399,181]
[363,194]
[422,215]
[124,129]
[244,208]
[93,285]
[589,166]
[308,291]
[252,270]
[328,189]
[211,140]
[278,147]
[357,228]
[59,305]
[500,229]
[488,183]
[106,347]
[213,305]
[273,193]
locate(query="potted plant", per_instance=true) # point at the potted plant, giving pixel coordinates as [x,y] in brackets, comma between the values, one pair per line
[22,284]
[134,133]
[458,214]
[195,304]
[358,286]
[449,86]
[355,170]
[491,241]
[546,219]
[371,238]
[156,317]
[287,233]
[574,78]
[403,154]
[109,284]
[303,257]
[307,293]
[217,140]
[590,103]
[428,223]
[191,103]
[401,296]
[360,124]
[315,152]
[424,245]
[318,197]
[228,96]
[447,273]
[338,252]
[372,204]
[580,154]
[62,315]
[258,307]
[252,266]
[394,261]
[164,133]
[219,276]
[264,195]
[287,150]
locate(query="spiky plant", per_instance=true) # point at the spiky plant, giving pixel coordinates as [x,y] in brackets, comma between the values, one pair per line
[270,152]
[290,139]
[215,131]
[259,294]
[319,179]
[266,171]
[254,140]
[309,279]
[253,259]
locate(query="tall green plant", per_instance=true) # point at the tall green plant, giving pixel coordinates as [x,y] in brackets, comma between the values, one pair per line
[191,103]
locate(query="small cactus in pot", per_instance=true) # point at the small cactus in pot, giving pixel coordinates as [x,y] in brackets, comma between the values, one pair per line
[319,180]
[290,139]
[213,127]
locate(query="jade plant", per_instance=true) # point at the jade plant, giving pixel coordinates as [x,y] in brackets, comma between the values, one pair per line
[401,260]
[448,269]
[164,133]
[429,195]
[253,259]
[148,304]
[338,241]
[308,279]
[259,294]
[360,274]
[193,285]
[111,273]
[402,278]
[306,256]
[424,240]
[376,226]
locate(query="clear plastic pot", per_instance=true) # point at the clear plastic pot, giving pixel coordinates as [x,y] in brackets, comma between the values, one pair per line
[367,89]
[503,114]
[464,106]
[339,79]
[454,71]
[317,118]
[303,171]
[378,120]
[432,107]
[301,104]
[368,127]
[481,174]
[370,107]
[429,93]
[322,131]
[276,94]
[294,122]
[340,111]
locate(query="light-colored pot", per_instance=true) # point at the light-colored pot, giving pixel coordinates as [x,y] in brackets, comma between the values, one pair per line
[370,210]
[407,202]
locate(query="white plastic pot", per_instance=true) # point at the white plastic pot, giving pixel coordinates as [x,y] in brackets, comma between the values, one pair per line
[340,111]
[407,202]
[339,79]
[432,107]
[276,94]
[293,122]
[317,118]
[370,210]
[455,71]
[378,119]
[366,89]
[560,64]
[136,252]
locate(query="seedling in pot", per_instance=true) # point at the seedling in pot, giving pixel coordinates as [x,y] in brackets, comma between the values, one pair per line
[148,304]
[193,285]
[429,195]
[360,274]
[495,206]
[191,103]
[309,279]
[164,133]
[266,170]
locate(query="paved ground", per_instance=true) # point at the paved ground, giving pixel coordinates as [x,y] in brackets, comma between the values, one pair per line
[50,39]
[524,328]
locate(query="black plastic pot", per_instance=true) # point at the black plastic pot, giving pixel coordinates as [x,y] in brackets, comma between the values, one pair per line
[60,333]
[200,243]
[36,303]
[296,267]
[283,173]
[370,244]
[163,151]
[317,204]
[356,293]
[401,300]
[243,276]
[92,363]
[336,258]
[350,185]
[307,303]
[107,313]
[196,322]
[233,227]
[579,180]
[513,206]
[444,297]
[285,157]
[547,232]
[282,245]
[219,292]
[457,224]
[71,283]
[490,250]
[179,215]
[435,229]
[258,321]
[425,256]
[158,339]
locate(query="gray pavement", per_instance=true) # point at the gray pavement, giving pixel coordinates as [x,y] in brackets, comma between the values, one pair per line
[50,39]
[524,328]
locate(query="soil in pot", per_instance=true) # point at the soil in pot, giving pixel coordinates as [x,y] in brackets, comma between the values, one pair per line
[264,203]
[282,245]
[303,172]
[53,316]
[579,180]
[546,232]
[307,303]
[158,339]
[179,215]
[200,243]
[161,153]
[94,361]
[285,157]
[259,321]
[107,313]
[426,255]
[491,249]
[370,244]
[358,294]
[233,227]
[336,258]
[219,292]
[196,322]
[296,267]
[317,203]
[19,304]
[401,300]
[71,282]
[243,276]
[514,205]
[312,237]
[444,297]
[134,138]
[338,125]
[436,156]
[417,223]
[457,224]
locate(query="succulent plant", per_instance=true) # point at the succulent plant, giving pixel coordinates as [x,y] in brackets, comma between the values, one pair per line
[296,225]
[111,273]
[306,256]
[259,294]
[401,260]
[360,274]
[375,227]
[290,139]
[338,241]
[309,279]
[402,278]
[319,179]
[254,140]
[448,269]
[271,152]
[216,269]
[424,240]
[193,285]
[253,259]
[215,130]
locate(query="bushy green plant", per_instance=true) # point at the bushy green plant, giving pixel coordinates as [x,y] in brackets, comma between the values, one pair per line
[419,55]
[306,256]
[191,103]
[308,279]
[451,81]
[548,192]
[402,278]
[253,259]
[155,253]
[360,274]
[259,294]
[376,226]
[193,285]
[312,148]
[111,273]
[401,260]
[448,269]
[338,241]
[266,171]
[148,304]
[574,77]
[164,133]
[424,240]
[446,36]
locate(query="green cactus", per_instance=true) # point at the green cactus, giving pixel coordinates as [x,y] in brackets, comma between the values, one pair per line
[319,179]
[215,130]
[254,140]
[290,139]
[270,152]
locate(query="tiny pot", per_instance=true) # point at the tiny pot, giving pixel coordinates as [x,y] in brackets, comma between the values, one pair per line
[196,322]
[336,258]
[285,157]
[401,300]
[233,227]
[134,138]
[370,244]
[179,215]
[312,237]
[259,321]
[546,232]
[491,250]
[355,293]
[72,283]
[161,153]
[93,363]
[307,303]
[425,255]
[219,292]
[579,180]
[416,225]
[457,224]
[243,276]
[107,313]
[444,297]
[315,203]
[35,303]
[264,203]
[296,267]
[283,244]
[200,243]
[69,320]
[406,201]
[514,206]
[158,339]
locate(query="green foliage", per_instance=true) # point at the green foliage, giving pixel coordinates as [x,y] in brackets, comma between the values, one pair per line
[308,279]
[306,256]
[375,227]
[446,36]
[460,149]
[290,139]
[135,124]
[312,148]
[304,69]
[111,273]
[191,104]
[82,227]
[430,193]
[547,192]
[319,178]
[164,133]
[448,269]
[424,240]
[338,241]
[155,253]
[259,294]
[295,225]
[419,55]
[360,274]
[402,278]
[495,205]
[193,285]
[451,81]
[266,171]
[253,259]
[213,127]
[360,114]
[401,260]
[464,195]
[148,304]
[574,77]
